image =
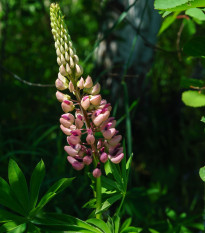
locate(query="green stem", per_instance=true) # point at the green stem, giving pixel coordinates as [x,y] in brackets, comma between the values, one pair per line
[98,196]
[98,192]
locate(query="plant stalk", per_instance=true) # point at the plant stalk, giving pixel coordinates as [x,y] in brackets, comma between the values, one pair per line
[98,196]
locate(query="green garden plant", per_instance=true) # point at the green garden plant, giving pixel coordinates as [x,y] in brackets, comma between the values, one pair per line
[93,140]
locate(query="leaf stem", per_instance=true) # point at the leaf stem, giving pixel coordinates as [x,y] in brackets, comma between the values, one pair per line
[98,196]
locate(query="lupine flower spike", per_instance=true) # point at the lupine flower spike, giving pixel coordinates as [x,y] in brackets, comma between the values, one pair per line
[88,114]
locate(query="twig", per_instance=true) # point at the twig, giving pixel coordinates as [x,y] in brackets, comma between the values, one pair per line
[24,81]
[178,41]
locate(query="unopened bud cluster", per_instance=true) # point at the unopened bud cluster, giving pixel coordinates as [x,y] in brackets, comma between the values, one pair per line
[91,133]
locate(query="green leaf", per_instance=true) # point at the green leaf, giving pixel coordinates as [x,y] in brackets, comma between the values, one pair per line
[63,222]
[126,224]
[128,166]
[132,229]
[116,175]
[6,216]
[182,7]
[35,183]
[106,204]
[116,221]
[195,47]
[193,99]
[6,198]
[108,183]
[90,204]
[154,231]
[203,119]
[12,226]
[18,184]
[202,173]
[100,224]
[196,13]
[58,187]
[162,4]
[167,22]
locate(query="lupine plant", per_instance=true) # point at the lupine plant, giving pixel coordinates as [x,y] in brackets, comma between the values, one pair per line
[92,140]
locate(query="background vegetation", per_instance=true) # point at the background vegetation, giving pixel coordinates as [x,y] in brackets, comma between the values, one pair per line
[143,73]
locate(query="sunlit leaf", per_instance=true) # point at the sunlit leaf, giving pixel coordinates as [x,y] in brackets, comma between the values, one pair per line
[100,224]
[196,13]
[193,99]
[202,173]
[35,182]
[18,184]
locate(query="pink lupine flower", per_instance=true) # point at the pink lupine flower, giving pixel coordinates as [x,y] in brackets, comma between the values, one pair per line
[67,106]
[115,140]
[85,102]
[65,130]
[87,160]
[76,163]
[95,100]
[61,97]
[109,133]
[92,113]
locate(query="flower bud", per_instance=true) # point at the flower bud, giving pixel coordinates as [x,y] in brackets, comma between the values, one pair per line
[79,123]
[60,85]
[68,69]
[62,78]
[76,59]
[60,96]
[85,102]
[72,64]
[95,100]
[78,71]
[103,157]
[95,89]
[69,117]
[90,139]
[65,122]
[97,172]
[80,83]
[71,87]
[88,82]
[67,106]
[63,70]
[87,160]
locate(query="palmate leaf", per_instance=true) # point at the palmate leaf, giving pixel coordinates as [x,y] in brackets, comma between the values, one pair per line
[63,222]
[35,183]
[18,184]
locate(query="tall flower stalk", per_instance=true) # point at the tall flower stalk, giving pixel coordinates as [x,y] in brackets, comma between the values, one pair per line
[91,134]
